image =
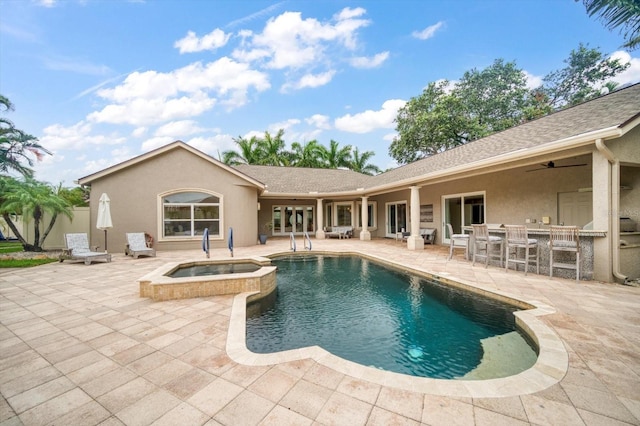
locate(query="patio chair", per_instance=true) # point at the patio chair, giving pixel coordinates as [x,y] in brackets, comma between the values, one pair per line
[458,241]
[137,245]
[564,239]
[78,249]
[517,238]
[483,243]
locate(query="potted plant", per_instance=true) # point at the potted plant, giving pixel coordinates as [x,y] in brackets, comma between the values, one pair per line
[267,227]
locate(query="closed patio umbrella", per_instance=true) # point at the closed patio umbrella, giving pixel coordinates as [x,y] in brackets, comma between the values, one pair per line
[104,216]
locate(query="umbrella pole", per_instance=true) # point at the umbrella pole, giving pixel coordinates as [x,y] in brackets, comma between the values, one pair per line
[105,240]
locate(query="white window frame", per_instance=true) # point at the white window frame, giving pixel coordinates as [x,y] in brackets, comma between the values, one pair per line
[373,218]
[194,235]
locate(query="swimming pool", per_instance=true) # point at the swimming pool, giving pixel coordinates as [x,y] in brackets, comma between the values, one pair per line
[198,270]
[376,316]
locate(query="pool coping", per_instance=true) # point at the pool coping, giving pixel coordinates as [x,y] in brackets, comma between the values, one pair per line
[550,367]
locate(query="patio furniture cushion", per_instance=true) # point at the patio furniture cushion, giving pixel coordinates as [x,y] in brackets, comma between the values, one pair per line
[77,248]
[137,245]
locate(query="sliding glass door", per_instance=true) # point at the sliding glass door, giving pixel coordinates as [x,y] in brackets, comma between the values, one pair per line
[462,210]
[396,218]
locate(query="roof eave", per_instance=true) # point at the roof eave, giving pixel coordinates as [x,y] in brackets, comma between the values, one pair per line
[519,154]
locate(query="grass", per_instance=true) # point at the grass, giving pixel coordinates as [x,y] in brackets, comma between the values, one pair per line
[10,247]
[24,263]
[7,247]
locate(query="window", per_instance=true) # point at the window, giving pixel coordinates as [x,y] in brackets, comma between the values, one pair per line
[187,214]
[343,214]
[371,214]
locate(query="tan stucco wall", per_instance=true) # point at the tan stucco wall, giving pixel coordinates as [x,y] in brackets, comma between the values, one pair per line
[134,194]
[512,196]
[63,225]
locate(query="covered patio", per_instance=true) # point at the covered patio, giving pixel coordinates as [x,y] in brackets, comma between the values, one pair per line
[80,346]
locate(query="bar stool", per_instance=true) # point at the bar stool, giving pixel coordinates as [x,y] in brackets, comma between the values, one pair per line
[518,238]
[484,242]
[454,239]
[564,239]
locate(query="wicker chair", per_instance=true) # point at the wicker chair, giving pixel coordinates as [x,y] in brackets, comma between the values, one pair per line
[483,242]
[517,238]
[564,239]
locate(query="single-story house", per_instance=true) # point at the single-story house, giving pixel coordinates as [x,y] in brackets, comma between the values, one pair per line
[579,166]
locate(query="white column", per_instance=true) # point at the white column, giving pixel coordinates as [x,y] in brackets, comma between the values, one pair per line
[602,218]
[415,241]
[319,219]
[365,235]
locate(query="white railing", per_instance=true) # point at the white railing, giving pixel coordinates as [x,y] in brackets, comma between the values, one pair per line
[292,242]
[306,239]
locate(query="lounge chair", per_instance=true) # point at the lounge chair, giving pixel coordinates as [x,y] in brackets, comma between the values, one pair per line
[78,249]
[137,245]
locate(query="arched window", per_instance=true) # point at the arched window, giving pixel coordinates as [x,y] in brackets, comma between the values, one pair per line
[187,214]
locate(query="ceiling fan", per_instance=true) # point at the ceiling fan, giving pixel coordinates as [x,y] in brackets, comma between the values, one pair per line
[552,165]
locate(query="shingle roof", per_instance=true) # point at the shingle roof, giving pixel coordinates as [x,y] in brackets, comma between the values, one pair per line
[612,110]
[609,111]
[301,180]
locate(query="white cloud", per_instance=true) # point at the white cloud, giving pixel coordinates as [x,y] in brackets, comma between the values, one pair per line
[428,32]
[79,136]
[213,145]
[631,74]
[156,142]
[152,97]
[284,125]
[142,111]
[288,41]
[369,120]
[373,62]
[179,129]
[310,80]
[139,132]
[533,81]
[212,41]
[46,3]
[318,120]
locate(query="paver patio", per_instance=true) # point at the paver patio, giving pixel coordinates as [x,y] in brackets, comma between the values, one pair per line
[78,346]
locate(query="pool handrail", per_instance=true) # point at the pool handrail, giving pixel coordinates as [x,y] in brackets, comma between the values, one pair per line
[306,238]
[292,242]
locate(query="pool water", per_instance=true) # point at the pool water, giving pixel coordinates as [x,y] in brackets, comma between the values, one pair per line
[376,316]
[214,269]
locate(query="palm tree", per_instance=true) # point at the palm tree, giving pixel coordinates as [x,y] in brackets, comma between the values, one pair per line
[360,163]
[336,157]
[31,198]
[16,146]
[618,13]
[308,154]
[273,150]
[250,152]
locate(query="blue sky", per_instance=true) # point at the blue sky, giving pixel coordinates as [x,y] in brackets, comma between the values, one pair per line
[99,82]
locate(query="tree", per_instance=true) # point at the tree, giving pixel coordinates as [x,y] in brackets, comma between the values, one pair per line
[492,100]
[587,73]
[16,146]
[624,14]
[31,198]
[273,150]
[309,154]
[360,163]
[336,157]
[249,152]
[430,123]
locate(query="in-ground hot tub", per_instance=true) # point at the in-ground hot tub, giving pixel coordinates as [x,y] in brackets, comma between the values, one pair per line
[202,278]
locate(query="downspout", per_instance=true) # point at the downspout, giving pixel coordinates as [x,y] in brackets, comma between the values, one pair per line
[614,208]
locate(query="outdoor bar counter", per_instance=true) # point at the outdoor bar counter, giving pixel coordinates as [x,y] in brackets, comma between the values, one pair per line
[587,237]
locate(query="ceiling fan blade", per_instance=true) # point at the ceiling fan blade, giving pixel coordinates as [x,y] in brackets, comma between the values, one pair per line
[570,165]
